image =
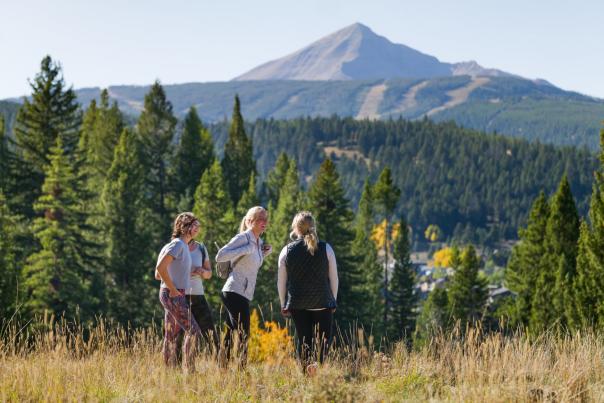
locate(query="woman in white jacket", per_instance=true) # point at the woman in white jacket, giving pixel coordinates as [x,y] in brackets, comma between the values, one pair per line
[246,251]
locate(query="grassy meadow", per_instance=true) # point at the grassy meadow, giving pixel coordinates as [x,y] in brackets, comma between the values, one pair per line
[108,363]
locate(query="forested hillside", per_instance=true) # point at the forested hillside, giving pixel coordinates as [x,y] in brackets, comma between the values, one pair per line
[475,186]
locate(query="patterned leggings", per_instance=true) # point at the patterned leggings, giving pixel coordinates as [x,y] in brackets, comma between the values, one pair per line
[178,318]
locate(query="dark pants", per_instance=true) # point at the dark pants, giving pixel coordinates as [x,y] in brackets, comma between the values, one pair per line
[314,331]
[238,324]
[202,314]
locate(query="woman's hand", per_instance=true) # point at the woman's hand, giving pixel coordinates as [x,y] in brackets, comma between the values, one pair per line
[266,249]
[175,293]
[206,274]
[286,313]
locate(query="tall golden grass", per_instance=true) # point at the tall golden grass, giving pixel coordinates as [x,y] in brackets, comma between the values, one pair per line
[57,360]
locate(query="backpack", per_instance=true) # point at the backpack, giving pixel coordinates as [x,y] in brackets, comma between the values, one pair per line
[223,269]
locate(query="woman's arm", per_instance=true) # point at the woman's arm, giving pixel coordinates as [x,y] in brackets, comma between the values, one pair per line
[238,246]
[282,277]
[162,270]
[206,272]
[333,271]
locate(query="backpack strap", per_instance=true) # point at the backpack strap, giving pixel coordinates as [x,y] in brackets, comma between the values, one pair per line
[202,249]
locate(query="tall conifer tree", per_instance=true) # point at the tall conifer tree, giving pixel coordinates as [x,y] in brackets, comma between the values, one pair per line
[238,163]
[524,266]
[275,179]
[468,291]
[371,273]
[52,112]
[10,257]
[289,203]
[553,295]
[588,284]
[249,198]
[155,127]
[194,154]
[386,196]
[216,215]
[58,277]
[334,218]
[101,130]
[402,288]
[128,265]
[589,287]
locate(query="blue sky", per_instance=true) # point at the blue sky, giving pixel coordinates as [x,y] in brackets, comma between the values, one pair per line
[110,42]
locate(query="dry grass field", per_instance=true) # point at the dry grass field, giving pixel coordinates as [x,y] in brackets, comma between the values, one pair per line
[105,363]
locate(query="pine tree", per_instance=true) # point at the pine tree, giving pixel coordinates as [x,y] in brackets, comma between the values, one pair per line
[101,130]
[9,166]
[212,204]
[238,162]
[4,157]
[51,113]
[10,259]
[275,179]
[129,273]
[249,198]
[434,317]
[371,274]
[524,266]
[334,220]
[155,127]
[588,285]
[589,282]
[468,291]
[277,234]
[194,154]
[215,213]
[58,277]
[402,288]
[386,196]
[554,296]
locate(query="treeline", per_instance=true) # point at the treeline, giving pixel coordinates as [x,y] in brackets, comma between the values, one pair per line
[476,187]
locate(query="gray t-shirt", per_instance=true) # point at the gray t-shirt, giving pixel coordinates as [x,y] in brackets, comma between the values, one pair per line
[180,268]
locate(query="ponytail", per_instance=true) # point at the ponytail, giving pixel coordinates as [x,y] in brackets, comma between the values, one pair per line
[303,226]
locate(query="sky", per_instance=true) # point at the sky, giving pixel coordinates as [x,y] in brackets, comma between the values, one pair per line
[111,42]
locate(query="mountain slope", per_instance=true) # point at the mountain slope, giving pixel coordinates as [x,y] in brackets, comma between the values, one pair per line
[507,105]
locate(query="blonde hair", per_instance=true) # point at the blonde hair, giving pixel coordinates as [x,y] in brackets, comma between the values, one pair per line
[183,224]
[304,227]
[251,216]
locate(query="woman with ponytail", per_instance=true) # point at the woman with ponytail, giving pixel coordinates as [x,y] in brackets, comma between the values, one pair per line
[246,251]
[307,280]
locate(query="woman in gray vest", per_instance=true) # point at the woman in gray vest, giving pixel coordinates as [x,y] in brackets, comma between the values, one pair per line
[307,280]
[246,251]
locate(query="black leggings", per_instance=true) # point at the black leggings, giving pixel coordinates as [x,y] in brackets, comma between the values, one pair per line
[312,327]
[202,314]
[238,308]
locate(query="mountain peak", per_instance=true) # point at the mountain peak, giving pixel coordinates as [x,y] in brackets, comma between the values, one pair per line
[355,52]
[351,53]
